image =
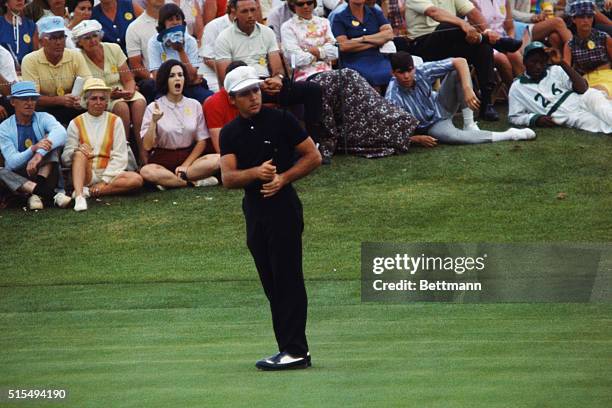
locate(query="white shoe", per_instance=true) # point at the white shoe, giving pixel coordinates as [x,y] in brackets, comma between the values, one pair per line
[85,193]
[472,126]
[61,200]
[522,134]
[35,203]
[207,182]
[80,203]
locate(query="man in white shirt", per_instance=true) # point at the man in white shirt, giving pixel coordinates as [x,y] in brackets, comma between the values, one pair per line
[207,51]
[255,44]
[136,41]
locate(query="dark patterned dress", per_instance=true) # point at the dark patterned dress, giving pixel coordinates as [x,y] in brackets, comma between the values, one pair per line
[358,120]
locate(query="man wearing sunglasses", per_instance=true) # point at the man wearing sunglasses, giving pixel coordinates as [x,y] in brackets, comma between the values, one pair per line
[257,153]
[54,69]
[30,142]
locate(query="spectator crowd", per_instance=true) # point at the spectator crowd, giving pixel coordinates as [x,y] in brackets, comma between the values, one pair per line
[100,97]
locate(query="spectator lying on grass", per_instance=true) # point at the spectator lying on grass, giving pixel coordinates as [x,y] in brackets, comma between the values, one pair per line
[551,93]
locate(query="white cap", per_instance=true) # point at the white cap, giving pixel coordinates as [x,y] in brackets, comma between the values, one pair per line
[85,27]
[241,78]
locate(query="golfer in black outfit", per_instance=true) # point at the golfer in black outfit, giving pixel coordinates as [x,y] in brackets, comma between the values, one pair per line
[257,153]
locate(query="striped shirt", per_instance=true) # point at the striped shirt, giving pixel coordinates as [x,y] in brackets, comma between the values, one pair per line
[421,101]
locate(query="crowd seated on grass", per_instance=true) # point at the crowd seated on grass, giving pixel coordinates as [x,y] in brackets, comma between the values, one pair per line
[335,84]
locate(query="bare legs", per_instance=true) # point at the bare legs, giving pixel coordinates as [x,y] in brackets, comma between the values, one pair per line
[82,175]
[201,168]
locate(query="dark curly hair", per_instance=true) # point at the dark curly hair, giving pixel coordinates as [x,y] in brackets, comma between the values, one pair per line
[163,74]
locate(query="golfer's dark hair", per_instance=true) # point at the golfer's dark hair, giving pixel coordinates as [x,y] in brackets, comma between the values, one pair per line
[161,82]
[166,12]
[401,61]
[233,65]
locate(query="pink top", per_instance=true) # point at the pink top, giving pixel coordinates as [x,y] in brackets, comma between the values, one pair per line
[181,126]
[494,12]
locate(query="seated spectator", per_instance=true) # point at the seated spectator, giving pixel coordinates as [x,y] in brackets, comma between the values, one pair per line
[590,51]
[218,111]
[30,143]
[207,51]
[538,27]
[601,19]
[80,10]
[342,5]
[17,32]
[438,33]
[384,130]
[38,9]
[360,31]
[498,15]
[106,61]
[115,17]
[97,150]
[137,44]
[556,95]
[173,42]
[54,69]
[175,135]
[411,89]
[255,44]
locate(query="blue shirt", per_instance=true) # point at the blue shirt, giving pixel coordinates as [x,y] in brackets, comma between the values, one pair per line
[26,37]
[371,64]
[158,53]
[421,101]
[340,9]
[114,31]
[25,137]
[42,124]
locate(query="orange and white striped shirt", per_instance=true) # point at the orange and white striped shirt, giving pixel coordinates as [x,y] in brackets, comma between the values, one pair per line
[106,137]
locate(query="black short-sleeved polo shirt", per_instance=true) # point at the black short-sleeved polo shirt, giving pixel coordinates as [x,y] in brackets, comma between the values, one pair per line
[271,134]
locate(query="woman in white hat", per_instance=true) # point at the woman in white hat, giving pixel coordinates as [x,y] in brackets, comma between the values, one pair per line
[97,149]
[108,62]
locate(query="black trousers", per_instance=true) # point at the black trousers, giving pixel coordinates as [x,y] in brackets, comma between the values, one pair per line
[304,93]
[275,241]
[449,41]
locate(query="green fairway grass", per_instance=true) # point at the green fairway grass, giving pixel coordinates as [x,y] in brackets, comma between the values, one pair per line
[153,300]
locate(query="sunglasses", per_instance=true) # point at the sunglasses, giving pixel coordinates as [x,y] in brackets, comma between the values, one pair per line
[247,92]
[305,3]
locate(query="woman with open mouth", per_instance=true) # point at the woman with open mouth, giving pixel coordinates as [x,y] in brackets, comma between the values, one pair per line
[175,135]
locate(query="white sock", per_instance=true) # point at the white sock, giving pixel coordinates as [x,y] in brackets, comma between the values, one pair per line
[468,119]
[513,134]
